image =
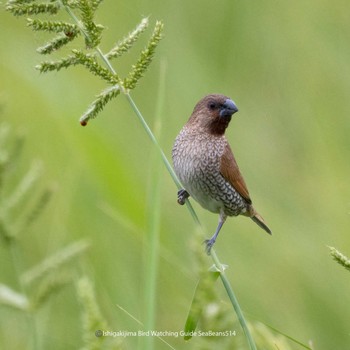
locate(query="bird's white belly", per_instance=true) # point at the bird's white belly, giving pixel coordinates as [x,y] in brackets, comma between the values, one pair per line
[206,201]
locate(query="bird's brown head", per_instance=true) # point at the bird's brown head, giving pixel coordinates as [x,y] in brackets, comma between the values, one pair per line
[213,114]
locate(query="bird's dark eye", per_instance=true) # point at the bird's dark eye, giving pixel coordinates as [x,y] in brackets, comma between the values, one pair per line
[212,105]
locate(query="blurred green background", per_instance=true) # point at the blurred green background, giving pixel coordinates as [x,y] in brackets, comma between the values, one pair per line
[287,67]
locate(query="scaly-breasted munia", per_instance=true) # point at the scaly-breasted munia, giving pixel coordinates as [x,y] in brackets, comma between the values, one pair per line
[204,162]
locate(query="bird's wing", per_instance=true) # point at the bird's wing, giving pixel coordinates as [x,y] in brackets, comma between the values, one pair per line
[230,171]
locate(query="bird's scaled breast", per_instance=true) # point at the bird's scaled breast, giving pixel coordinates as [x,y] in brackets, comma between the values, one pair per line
[196,156]
[196,159]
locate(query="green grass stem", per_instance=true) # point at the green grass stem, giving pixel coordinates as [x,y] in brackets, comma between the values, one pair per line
[154,215]
[233,300]
[340,258]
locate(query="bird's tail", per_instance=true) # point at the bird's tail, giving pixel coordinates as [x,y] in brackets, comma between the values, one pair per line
[257,218]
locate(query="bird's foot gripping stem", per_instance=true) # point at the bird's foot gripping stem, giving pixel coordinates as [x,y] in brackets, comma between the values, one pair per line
[209,244]
[182,195]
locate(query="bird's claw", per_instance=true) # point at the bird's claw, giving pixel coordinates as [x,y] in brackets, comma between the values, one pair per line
[182,195]
[208,245]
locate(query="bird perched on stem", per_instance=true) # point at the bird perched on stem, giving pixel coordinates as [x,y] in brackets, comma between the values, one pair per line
[204,162]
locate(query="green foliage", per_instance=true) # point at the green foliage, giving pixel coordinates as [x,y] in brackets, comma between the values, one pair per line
[38,284]
[90,62]
[68,32]
[92,319]
[127,43]
[16,211]
[55,262]
[200,299]
[10,297]
[57,65]
[56,43]
[102,99]
[90,28]
[49,285]
[268,340]
[141,66]
[21,8]
[53,26]
[85,24]
[340,258]
[209,314]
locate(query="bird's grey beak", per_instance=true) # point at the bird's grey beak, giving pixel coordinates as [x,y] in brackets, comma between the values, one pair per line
[228,108]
